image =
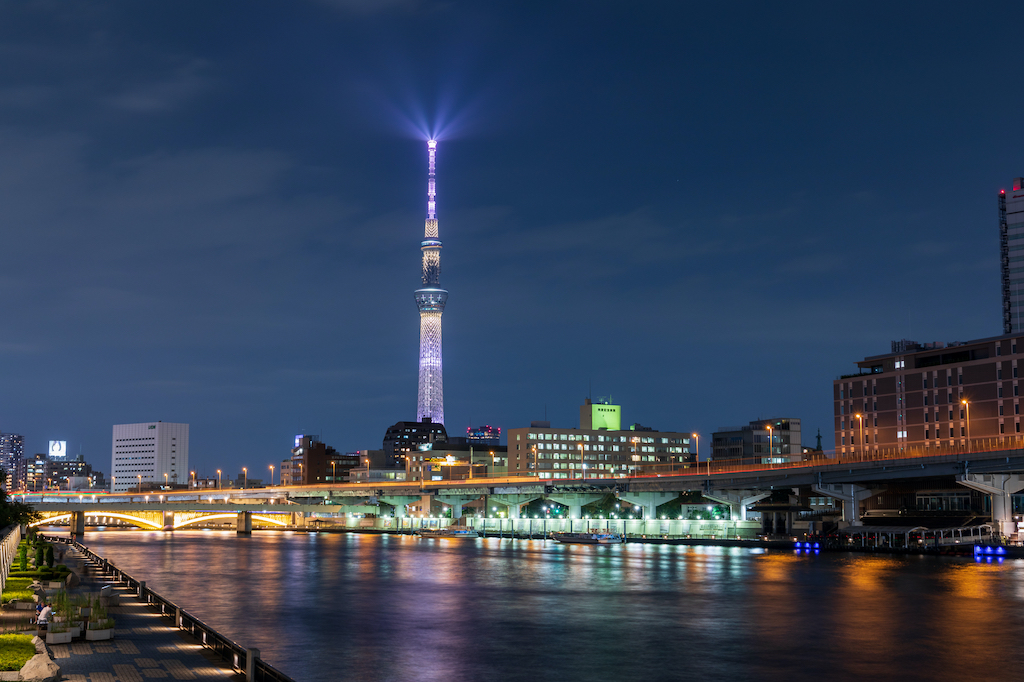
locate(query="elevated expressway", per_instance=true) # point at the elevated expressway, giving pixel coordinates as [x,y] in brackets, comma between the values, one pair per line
[995,471]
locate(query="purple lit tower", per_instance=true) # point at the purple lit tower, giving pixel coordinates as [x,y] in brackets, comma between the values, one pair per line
[430,300]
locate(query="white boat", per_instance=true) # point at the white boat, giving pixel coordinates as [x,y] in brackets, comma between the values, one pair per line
[449,532]
[590,537]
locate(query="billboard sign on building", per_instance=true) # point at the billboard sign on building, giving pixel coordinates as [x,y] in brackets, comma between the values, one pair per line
[606,417]
[58,449]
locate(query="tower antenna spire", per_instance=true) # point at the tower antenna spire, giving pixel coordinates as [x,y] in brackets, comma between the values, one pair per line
[431,299]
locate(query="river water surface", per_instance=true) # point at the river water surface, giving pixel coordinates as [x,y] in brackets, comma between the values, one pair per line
[333,607]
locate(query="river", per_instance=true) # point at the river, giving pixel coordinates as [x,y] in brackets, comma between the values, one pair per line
[334,607]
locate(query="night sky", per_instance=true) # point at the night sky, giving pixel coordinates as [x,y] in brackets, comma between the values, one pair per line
[211,211]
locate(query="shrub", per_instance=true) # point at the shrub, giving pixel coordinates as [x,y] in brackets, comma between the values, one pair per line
[17,588]
[39,556]
[49,556]
[23,557]
[15,650]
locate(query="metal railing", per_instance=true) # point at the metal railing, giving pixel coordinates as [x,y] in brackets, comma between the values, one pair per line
[256,669]
[8,550]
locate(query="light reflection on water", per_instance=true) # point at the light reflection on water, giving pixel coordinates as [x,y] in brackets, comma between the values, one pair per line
[404,608]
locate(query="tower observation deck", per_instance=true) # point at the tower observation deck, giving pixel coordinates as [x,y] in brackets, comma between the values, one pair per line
[430,299]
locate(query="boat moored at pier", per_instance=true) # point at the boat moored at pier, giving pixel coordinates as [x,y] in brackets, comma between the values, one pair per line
[591,537]
[448,532]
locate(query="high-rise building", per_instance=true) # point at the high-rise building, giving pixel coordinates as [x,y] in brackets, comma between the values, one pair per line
[404,437]
[768,441]
[152,453]
[431,299]
[931,398]
[1011,255]
[12,451]
[600,448]
[481,435]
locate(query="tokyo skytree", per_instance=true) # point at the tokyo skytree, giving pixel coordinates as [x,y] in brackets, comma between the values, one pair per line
[430,299]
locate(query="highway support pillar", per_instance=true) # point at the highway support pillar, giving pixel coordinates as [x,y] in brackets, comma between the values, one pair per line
[244,524]
[851,495]
[168,520]
[78,523]
[1000,487]
[738,501]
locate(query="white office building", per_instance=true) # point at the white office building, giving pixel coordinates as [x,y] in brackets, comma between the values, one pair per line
[149,453]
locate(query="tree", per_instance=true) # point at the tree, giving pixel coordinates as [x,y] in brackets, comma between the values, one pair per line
[13,511]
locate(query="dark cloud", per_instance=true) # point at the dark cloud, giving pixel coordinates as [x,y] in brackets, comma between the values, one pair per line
[211,213]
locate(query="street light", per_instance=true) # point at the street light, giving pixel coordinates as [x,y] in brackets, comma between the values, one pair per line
[193,479]
[696,452]
[218,479]
[769,444]
[165,479]
[302,481]
[271,475]
[245,478]
[140,483]
[334,470]
[967,412]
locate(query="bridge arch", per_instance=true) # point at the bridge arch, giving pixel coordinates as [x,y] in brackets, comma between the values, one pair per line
[137,520]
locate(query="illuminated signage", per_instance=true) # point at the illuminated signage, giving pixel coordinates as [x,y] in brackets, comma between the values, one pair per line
[58,449]
[298,440]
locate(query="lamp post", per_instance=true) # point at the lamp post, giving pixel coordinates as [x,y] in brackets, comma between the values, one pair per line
[140,483]
[636,457]
[696,452]
[860,418]
[193,479]
[367,461]
[769,444]
[271,475]
[218,479]
[967,413]
[334,470]
[165,479]
[245,478]
[113,484]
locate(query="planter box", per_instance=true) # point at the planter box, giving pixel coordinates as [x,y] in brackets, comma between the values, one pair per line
[94,635]
[58,637]
[85,611]
[76,631]
[24,605]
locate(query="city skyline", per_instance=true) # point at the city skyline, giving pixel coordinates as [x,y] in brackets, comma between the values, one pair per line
[214,228]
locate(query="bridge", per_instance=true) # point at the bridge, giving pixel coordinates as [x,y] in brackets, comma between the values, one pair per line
[994,468]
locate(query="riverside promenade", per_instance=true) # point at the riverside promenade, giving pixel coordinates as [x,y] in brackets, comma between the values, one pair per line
[145,645]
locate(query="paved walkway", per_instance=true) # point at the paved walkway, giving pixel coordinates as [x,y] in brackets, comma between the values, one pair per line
[144,646]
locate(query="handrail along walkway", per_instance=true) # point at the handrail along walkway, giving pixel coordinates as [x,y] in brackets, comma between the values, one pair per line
[228,649]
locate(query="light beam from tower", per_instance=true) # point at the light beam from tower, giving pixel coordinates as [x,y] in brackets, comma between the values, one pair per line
[430,300]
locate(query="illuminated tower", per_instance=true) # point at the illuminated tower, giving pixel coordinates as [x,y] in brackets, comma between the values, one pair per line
[430,299]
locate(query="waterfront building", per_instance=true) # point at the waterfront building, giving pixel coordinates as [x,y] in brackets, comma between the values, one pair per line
[455,461]
[375,466]
[1011,255]
[930,396]
[35,472]
[768,441]
[404,437]
[150,452]
[313,461]
[71,474]
[12,452]
[481,435]
[599,448]
[430,300]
